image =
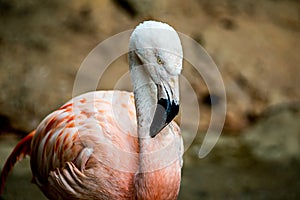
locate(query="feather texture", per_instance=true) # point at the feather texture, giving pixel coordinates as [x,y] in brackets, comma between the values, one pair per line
[98,146]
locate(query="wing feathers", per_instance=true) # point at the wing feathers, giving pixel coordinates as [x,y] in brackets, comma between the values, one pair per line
[22,149]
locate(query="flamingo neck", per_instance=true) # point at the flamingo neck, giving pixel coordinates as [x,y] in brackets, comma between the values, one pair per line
[145,96]
[145,102]
[153,164]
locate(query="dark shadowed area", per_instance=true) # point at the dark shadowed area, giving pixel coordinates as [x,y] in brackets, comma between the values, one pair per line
[255,45]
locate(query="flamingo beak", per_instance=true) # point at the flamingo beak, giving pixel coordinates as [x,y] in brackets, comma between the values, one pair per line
[166,110]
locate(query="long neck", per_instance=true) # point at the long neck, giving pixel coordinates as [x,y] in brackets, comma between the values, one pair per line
[145,103]
[159,156]
[145,99]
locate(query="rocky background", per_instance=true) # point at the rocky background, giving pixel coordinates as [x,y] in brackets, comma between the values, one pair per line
[255,44]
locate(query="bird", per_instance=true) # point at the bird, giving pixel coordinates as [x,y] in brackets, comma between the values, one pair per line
[113,144]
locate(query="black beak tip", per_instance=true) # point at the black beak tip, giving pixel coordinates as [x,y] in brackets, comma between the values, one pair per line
[164,114]
[155,129]
[153,133]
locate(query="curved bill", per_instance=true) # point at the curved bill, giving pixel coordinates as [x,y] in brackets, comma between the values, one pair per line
[165,112]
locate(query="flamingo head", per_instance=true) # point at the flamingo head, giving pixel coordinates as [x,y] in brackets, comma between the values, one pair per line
[156,48]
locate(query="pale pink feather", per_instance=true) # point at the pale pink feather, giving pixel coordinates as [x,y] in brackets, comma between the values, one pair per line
[88,149]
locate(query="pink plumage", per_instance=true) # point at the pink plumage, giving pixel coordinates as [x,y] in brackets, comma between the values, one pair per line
[92,148]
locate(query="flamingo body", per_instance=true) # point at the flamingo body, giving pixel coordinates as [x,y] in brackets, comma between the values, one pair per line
[77,147]
[113,144]
[81,151]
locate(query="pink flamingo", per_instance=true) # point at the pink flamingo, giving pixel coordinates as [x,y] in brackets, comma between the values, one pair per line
[115,144]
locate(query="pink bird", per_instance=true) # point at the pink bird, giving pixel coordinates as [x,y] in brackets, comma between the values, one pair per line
[115,144]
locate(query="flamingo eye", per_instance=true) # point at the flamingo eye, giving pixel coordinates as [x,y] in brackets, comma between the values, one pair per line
[160,61]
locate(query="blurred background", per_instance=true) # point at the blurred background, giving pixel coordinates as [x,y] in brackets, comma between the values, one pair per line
[255,44]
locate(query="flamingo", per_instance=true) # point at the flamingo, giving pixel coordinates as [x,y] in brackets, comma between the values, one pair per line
[115,144]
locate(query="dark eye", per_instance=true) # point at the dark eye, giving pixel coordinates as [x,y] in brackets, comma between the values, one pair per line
[159,61]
